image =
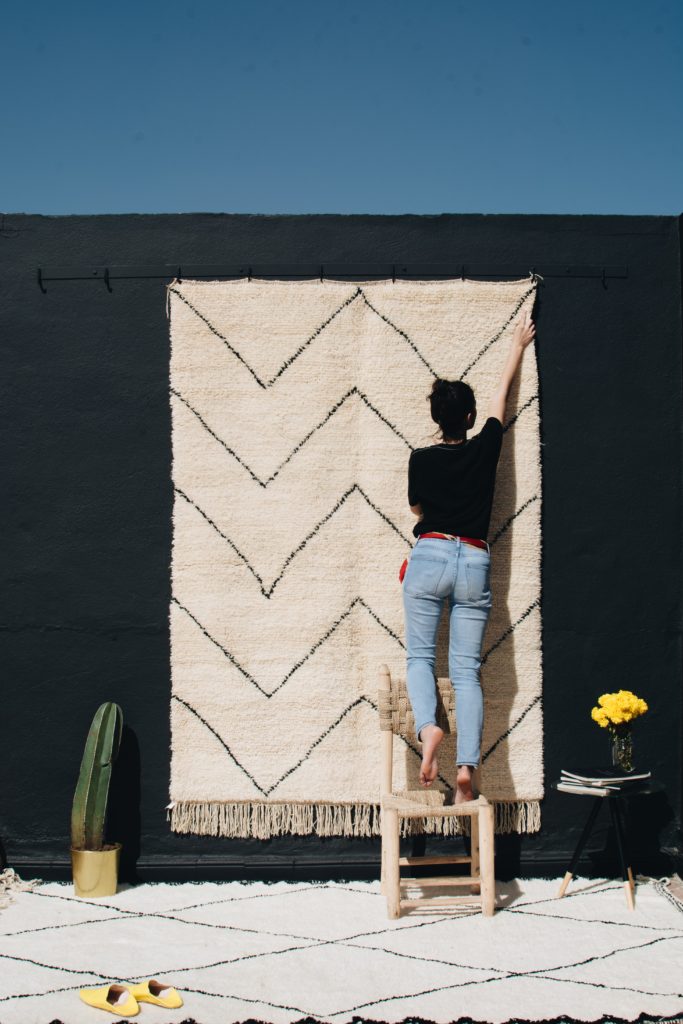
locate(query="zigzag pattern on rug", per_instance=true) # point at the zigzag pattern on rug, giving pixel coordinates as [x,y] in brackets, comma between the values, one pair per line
[289,522]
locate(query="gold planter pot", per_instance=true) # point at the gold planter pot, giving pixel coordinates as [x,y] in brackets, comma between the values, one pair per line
[96,872]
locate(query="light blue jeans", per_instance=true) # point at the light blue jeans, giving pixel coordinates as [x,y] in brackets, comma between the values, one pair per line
[458,572]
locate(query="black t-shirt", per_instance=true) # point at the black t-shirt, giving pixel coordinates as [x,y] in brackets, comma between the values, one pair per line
[454,483]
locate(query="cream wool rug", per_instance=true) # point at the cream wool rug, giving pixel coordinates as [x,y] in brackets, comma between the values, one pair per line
[289,952]
[295,406]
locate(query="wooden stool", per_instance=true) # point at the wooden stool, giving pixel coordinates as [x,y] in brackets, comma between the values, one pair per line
[396,717]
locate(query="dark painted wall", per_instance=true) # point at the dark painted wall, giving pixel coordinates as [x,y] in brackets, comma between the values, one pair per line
[87,496]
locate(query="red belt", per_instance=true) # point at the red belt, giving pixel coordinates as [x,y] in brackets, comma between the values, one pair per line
[451,536]
[447,536]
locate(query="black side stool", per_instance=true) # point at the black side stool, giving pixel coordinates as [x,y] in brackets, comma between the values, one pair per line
[616,810]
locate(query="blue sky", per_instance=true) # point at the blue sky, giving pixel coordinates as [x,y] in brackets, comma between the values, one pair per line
[379,106]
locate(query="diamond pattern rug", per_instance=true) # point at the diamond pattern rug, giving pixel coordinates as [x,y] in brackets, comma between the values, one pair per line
[326,952]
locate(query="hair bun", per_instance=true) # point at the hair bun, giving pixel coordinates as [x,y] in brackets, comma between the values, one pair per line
[451,401]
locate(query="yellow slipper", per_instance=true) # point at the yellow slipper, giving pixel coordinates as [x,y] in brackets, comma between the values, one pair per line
[152,991]
[115,998]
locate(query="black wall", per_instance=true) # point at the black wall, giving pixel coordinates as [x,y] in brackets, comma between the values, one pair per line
[87,518]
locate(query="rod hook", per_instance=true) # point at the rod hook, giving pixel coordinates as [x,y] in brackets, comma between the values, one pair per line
[321,273]
[106,278]
[462,271]
[179,276]
[604,283]
[40,281]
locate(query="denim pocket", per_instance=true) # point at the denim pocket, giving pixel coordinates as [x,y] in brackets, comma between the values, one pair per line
[424,574]
[478,573]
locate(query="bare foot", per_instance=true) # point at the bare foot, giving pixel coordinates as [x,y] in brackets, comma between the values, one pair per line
[464,781]
[431,736]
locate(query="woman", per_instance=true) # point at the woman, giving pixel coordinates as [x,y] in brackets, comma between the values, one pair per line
[450,488]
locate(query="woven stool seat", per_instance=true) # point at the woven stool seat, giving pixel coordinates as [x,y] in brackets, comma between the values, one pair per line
[418,803]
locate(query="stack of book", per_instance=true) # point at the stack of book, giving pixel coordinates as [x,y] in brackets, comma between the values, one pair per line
[601,781]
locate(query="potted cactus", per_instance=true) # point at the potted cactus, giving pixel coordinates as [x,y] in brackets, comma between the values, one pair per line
[94,863]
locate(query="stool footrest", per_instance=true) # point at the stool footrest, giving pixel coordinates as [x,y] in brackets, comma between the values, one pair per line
[435,859]
[442,880]
[445,901]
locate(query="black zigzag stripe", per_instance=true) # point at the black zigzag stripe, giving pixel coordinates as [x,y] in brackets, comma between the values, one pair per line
[493,340]
[318,330]
[345,941]
[505,975]
[220,739]
[341,501]
[264,483]
[508,522]
[218,335]
[328,633]
[501,970]
[267,791]
[221,534]
[593,920]
[513,726]
[352,391]
[223,650]
[398,331]
[169,915]
[267,592]
[305,344]
[522,408]
[510,630]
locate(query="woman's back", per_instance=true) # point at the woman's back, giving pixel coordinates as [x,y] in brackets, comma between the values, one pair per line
[454,483]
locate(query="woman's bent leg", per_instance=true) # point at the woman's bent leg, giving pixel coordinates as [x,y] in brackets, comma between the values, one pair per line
[422,616]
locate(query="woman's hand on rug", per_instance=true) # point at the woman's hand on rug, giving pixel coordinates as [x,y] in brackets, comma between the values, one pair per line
[524,330]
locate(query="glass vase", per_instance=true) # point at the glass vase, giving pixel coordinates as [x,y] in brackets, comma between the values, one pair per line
[621,747]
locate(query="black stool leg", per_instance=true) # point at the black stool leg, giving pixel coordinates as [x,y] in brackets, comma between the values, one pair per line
[616,821]
[569,874]
[619,807]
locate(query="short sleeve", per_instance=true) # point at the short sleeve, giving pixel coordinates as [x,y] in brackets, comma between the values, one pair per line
[413,496]
[491,435]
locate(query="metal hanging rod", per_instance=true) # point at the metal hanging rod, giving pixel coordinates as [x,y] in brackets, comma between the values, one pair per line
[321,270]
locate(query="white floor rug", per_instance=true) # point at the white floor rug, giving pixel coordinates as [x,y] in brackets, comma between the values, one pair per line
[295,406]
[326,952]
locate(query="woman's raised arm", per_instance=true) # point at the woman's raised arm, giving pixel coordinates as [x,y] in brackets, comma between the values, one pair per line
[524,334]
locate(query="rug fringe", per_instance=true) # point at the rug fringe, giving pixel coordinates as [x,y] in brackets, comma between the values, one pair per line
[11,883]
[245,819]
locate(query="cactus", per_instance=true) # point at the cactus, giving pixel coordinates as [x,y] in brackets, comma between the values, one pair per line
[92,790]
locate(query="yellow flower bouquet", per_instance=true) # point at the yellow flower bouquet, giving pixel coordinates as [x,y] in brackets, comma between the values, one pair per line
[616,712]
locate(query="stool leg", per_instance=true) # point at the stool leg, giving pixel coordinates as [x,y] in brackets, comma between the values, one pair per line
[616,821]
[486,860]
[620,811]
[392,868]
[383,853]
[474,852]
[569,874]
